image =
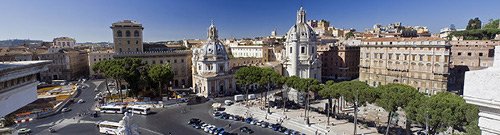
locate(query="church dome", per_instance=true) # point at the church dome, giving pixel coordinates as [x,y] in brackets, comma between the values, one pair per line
[213,49]
[301,30]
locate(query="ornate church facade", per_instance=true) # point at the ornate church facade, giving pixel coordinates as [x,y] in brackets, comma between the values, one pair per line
[300,56]
[211,73]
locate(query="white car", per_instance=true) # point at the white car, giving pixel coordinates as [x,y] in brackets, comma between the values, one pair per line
[24,131]
[81,101]
[66,110]
[228,102]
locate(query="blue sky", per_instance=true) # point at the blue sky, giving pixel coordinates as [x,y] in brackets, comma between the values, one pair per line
[89,20]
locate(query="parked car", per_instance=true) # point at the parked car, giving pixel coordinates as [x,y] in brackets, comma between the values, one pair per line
[246,130]
[228,102]
[66,109]
[264,124]
[24,131]
[248,120]
[81,101]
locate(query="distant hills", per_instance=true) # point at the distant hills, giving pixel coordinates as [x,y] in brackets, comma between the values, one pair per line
[18,42]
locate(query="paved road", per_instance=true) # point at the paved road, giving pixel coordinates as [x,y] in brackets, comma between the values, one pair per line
[62,119]
[162,121]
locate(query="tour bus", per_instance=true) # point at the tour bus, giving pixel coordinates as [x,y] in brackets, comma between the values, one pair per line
[112,109]
[139,109]
[109,128]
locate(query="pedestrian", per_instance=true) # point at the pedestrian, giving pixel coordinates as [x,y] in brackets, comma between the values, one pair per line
[229,125]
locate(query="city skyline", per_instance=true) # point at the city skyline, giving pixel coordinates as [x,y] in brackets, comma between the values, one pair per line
[189,19]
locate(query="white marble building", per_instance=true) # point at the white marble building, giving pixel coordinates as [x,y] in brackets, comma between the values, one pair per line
[18,82]
[211,76]
[243,51]
[481,88]
[300,56]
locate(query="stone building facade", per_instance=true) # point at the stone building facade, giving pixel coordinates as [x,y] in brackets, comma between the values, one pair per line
[299,57]
[211,70]
[64,42]
[339,62]
[419,62]
[468,55]
[96,56]
[67,64]
[127,36]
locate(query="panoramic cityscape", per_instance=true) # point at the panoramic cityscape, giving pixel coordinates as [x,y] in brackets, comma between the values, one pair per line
[230,67]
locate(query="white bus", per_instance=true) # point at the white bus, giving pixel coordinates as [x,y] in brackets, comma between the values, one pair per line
[109,128]
[112,109]
[139,109]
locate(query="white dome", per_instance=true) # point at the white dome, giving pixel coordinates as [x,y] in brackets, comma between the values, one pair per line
[213,49]
[301,30]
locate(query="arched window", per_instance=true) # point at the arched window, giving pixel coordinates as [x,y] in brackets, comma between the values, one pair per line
[136,33]
[119,33]
[127,33]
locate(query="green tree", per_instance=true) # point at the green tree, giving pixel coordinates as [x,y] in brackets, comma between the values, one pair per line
[391,98]
[330,90]
[162,74]
[493,24]
[270,78]
[246,76]
[349,35]
[444,110]
[474,24]
[358,93]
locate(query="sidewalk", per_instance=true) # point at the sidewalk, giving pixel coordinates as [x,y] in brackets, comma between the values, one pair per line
[296,121]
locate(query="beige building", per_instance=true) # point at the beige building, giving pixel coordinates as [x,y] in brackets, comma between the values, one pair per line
[211,73]
[419,62]
[96,56]
[67,64]
[468,55]
[64,42]
[475,54]
[127,36]
[339,62]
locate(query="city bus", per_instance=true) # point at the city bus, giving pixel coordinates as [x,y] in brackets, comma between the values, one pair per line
[139,109]
[112,109]
[109,128]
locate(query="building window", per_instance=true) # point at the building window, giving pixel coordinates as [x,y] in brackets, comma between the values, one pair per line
[120,49]
[367,55]
[136,49]
[128,42]
[118,33]
[429,57]
[312,51]
[137,42]
[291,50]
[136,33]
[469,54]
[175,61]
[302,50]
[459,53]
[421,57]
[182,60]
[480,54]
[390,56]
[127,33]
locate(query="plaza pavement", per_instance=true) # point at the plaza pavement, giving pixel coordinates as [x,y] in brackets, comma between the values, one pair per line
[295,120]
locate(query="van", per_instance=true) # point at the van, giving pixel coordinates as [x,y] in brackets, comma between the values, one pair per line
[238,98]
[251,97]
